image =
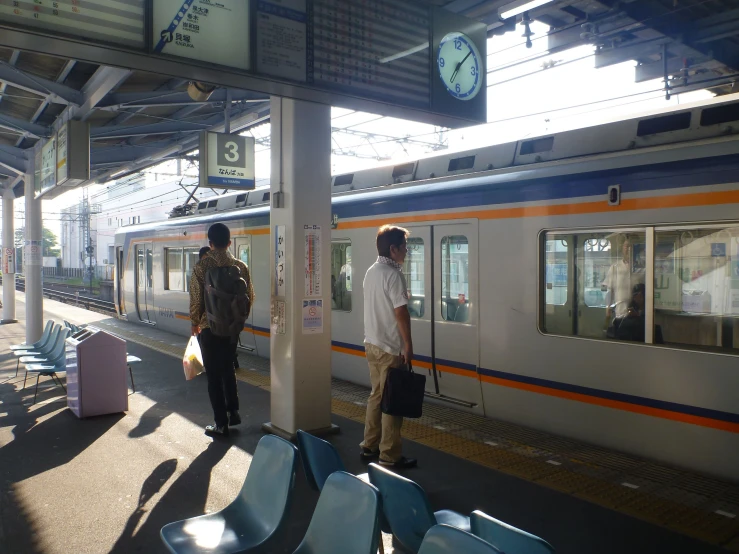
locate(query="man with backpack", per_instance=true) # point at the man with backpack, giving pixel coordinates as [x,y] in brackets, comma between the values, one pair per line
[221,296]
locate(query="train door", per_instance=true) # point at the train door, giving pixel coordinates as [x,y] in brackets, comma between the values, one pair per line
[455,328]
[119,280]
[243,252]
[418,277]
[144,282]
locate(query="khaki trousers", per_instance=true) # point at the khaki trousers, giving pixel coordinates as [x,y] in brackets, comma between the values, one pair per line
[381,429]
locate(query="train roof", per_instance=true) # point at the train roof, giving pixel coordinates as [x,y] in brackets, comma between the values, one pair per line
[652,138]
[714,118]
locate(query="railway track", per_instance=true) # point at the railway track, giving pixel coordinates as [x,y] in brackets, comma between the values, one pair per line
[92,304]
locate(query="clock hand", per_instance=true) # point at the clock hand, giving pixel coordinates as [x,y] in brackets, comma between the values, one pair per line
[456,70]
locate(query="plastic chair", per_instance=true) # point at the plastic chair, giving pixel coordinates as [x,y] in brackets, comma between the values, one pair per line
[445,539]
[346,519]
[506,537]
[39,343]
[41,354]
[254,518]
[319,459]
[130,360]
[49,367]
[407,508]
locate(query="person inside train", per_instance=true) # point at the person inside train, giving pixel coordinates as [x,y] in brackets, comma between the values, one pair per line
[218,351]
[619,283]
[387,343]
[631,325]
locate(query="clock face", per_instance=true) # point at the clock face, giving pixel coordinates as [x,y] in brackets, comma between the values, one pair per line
[460,66]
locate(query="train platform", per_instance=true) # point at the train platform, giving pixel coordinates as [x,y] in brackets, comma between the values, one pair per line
[109,483]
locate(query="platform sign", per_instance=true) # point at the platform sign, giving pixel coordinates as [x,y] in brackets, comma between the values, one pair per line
[62,168]
[113,21]
[209,31]
[45,168]
[226,161]
[8,261]
[282,39]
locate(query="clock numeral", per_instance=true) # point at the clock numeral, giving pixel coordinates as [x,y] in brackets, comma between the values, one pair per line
[458,88]
[441,62]
[473,71]
[457,44]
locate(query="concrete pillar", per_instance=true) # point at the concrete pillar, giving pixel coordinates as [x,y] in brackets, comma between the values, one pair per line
[300,218]
[33,260]
[8,258]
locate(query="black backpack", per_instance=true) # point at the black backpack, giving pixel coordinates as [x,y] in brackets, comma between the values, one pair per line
[227,303]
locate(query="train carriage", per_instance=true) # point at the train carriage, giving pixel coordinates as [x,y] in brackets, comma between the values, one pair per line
[508,266]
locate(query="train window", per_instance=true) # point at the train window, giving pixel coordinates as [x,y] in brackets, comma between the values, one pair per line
[243,253]
[696,287]
[173,276]
[413,269]
[191,258]
[455,294]
[555,264]
[341,275]
[594,284]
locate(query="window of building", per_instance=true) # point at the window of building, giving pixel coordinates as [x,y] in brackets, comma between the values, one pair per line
[413,269]
[455,294]
[111,254]
[341,275]
[173,277]
[191,258]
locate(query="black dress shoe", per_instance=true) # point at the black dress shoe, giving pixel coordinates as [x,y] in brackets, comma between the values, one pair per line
[368,453]
[216,431]
[234,418]
[402,463]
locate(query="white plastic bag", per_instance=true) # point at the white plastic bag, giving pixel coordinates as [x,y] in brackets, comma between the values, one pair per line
[192,361]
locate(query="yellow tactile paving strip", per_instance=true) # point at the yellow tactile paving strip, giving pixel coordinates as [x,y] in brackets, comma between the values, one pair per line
[694,505]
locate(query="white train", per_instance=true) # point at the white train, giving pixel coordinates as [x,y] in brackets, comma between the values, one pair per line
[512,252]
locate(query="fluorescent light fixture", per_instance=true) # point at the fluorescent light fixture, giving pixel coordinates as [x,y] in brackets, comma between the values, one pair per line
[405,53]
[515,8]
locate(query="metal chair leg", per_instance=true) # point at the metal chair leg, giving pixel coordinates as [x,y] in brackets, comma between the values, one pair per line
[130,372]
[36,391]
[24,380]
[17,366]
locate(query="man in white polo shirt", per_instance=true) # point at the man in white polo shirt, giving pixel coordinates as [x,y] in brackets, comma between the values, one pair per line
[387,343]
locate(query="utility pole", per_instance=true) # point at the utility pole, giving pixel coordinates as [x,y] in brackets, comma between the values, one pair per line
[88,210]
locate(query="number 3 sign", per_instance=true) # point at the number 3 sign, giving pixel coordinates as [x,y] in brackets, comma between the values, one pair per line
[226,161]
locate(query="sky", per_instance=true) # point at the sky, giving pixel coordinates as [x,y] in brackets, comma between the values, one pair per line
[549,93]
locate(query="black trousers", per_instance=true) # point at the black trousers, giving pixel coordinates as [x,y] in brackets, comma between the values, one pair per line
[218,356]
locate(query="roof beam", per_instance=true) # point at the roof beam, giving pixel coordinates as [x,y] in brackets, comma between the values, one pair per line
[55,92]
[13,59]
[18,164]
[238,123]
[121,118]
[127,100]
[656,70]
[22,127]
[103,81]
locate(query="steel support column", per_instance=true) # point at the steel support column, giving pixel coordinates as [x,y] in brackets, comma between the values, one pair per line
[300,334]
[33,260]
[8,243]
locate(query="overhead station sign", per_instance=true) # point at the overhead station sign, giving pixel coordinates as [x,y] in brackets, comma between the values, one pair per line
[401,58]
[214,32]
[226,161]
[119,22]
[63,161]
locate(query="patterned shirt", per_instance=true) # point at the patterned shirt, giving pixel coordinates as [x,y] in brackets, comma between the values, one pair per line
[214,258]
[390,262]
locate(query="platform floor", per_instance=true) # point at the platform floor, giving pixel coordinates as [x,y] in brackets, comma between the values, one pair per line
[109,483]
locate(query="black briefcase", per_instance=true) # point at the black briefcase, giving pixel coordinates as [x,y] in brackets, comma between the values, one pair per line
[403,392]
